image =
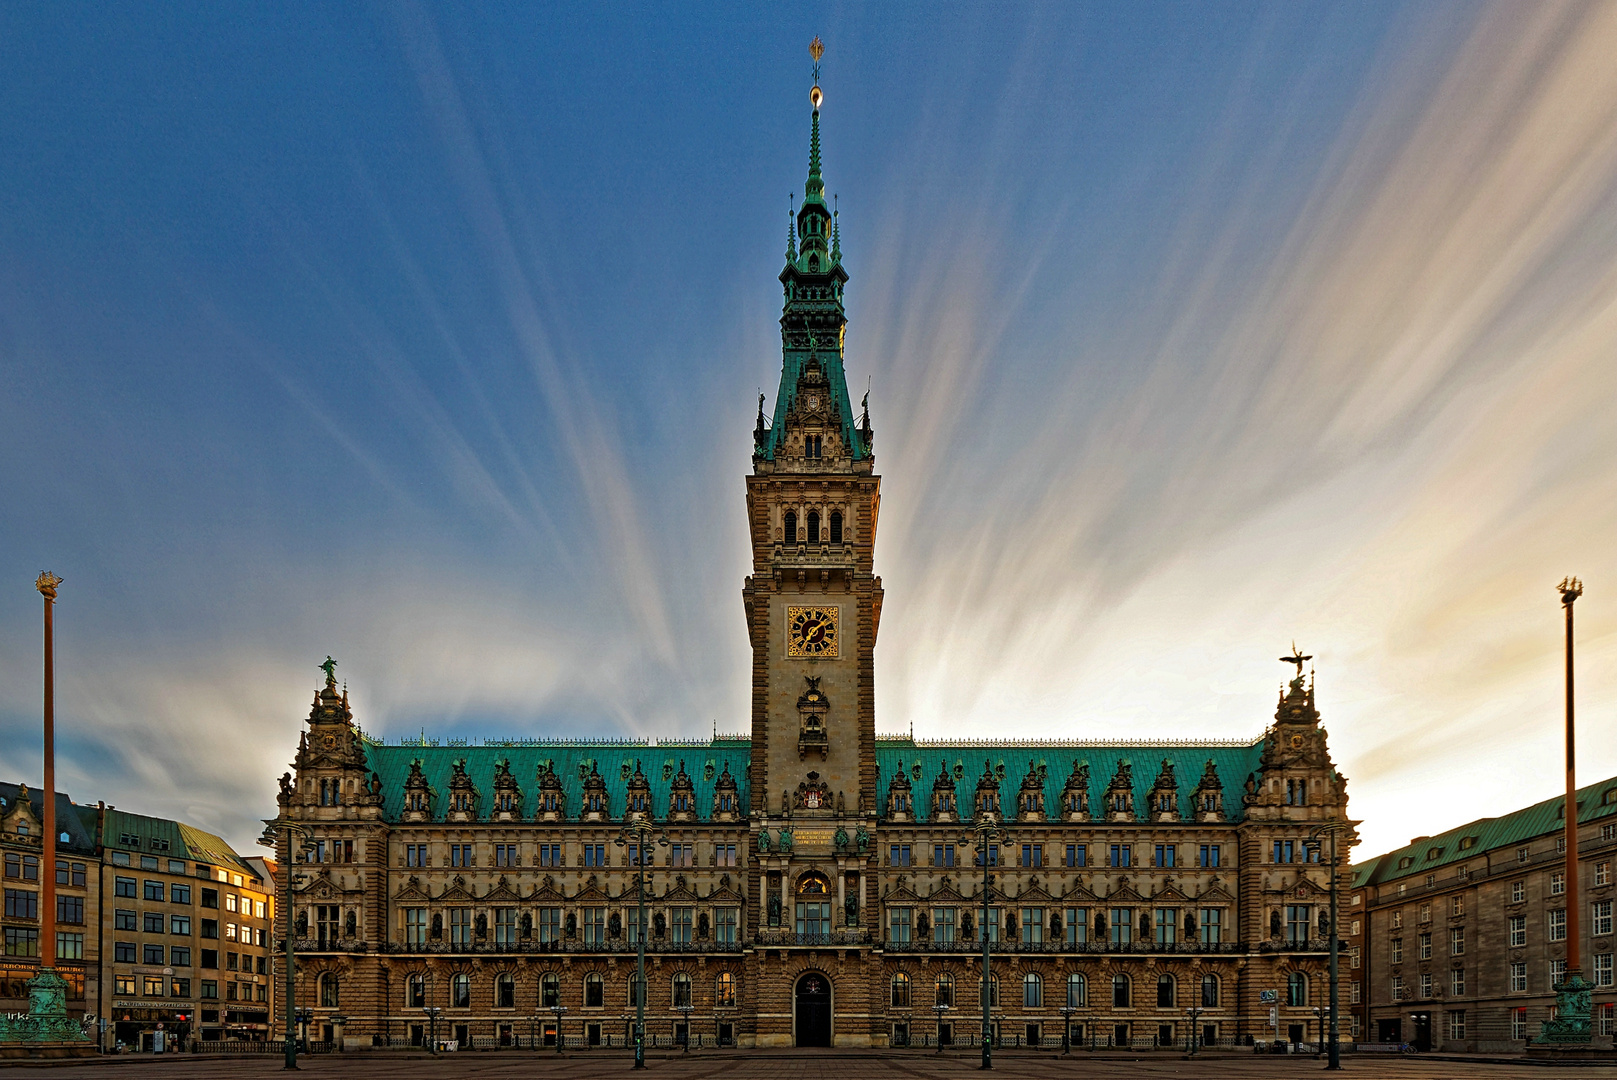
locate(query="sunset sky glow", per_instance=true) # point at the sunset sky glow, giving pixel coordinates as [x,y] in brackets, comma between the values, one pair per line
[430,337]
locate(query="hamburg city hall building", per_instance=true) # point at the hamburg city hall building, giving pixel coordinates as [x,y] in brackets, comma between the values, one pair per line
[810,883]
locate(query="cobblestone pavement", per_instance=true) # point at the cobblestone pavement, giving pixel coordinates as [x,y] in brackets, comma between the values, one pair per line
[783,1065]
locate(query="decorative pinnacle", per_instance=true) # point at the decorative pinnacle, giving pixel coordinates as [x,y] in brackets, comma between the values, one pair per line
[1571,588]
[46,584]
[836,232]
[791,230]
[816,50]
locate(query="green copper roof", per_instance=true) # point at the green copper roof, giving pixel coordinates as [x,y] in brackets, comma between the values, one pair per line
[183,841]
[1010,764]
[1486,834]
[704,762]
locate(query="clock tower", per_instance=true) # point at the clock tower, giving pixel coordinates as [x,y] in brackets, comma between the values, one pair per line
[812,602]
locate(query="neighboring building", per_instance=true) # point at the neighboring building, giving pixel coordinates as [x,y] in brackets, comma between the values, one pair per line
[815,887]
[22,837]
[185,923]
[1464,934]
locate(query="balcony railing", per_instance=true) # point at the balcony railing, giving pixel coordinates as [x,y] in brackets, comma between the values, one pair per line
[1062,947]
[777,938]
[535,947]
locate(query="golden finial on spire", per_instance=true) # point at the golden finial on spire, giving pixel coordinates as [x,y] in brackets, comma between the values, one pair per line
[816,50]
[46,583]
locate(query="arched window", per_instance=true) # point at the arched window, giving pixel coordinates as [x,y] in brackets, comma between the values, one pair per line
[505,991]
[1209,991]
[946,989]
[460,990]
[901,991]
[1120,991]
[682,989]
[1296,989]
[1077,990]
[594,990]
[549,990]
[791,526]
[836,526]
[993,992]
[724,990]
[415,991]
[1165,989]
[814,526]
[328,990]
[1032,991]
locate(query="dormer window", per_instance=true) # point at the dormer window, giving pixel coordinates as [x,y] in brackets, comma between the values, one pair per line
[811,448]
[1164,803]
[637,802]
[901,802]
[330,792]
[1030,803]
[1209,801]
[506,802]
[552,804]
[987,802]
[597,802]
[814,527]
[417,801]
[1296,792]
[1077,802]
[836,526]
[1118,802]
[463,801]
[791,526]
[726,803]
[945,801]
[682,802]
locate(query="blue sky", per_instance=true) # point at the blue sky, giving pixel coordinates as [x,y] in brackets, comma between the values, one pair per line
[430,338]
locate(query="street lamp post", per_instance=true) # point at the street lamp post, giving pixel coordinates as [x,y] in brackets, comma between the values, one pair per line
[940,1010]
[533,1032]
[560,1011]
[1195,1014]
[303,846]
[1066,1028]
[637,829]
[1319,1017]
[985,831]
[1315,842]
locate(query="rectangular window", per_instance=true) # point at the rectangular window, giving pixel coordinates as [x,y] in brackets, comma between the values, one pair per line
[124,919]
[1557,924]
[1299,921]
[1396,950]
[70,910]
[1602,969]
[898,925]
[179,956]
[1208,855]
[1518,978]
[679,925]
[23,867]
[1397,920]
[1603,869]
[631,926]
[1075,925]
[1166,855]
[210,990]
[179,924]
[1425,946]
[1397,987]
[1456,906]
[1122,855]
[151,954]
[725,855]
[1456,941]
[725,923]
[123,886]
[1425,984]
[210,959]
[1457,1024]
[1032,854]
[1557,883]
[182,988]
[505,926]
[682,855]
[1517,932]
[1518,891]
[506,855]
[1353,957]
[124,984]
[993,925]
[151,986]
[124,952]
[1033,925]
[1425,913]
[1600,922]
[461,855]
[898,855]
[22,904]
[152,922]
[1166,924]
[550,854]
[1557,973]
[550,924]
[1518,1023]
[69,945]
[943,925]
[1211,925]
[179,894]
[594,925]
[230,928]
[154,891]
[460,926]
[230,901]
[1122,920]
[1523,853]
[1285,851]
[415,926]
[415,855]
[210,898]
[1605,1015]
[1457,982]
[1077,855]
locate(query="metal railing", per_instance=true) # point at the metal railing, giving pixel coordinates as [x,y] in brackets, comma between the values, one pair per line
[1057,947]
[535,947]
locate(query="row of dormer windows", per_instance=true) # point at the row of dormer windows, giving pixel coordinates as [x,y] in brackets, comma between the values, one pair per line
[811,531]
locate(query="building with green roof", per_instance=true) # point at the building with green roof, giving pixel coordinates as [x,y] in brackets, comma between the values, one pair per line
[814,884]
[1457,939]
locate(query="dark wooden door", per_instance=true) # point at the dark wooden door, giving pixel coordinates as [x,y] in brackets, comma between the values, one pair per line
[813,1010]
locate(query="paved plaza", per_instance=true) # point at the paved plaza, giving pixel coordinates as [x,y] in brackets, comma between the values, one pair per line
[789,1065]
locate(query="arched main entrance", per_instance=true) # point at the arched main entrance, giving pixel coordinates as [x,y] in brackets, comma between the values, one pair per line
[813,1010]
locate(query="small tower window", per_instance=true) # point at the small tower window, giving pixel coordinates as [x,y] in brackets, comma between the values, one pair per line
[836,526]
[814,527]
[791,526]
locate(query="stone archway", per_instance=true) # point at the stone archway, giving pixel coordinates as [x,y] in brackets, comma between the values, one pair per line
[811,1011]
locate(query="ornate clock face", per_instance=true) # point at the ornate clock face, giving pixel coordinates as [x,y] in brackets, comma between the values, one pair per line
[811,632]
[329,742]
